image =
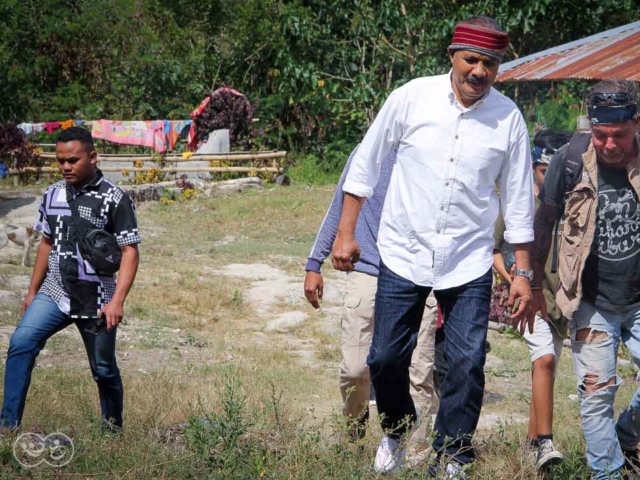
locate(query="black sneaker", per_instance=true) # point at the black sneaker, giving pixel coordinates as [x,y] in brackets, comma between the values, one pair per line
[631,463]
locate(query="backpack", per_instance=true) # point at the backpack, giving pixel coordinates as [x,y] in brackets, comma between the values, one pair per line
[573,167]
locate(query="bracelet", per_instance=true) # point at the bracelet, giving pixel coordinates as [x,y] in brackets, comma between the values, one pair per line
[535,288]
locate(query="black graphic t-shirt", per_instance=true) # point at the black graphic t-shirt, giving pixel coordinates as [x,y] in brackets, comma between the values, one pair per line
[611,274]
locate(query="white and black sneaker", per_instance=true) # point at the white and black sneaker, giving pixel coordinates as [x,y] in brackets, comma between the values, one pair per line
[389,456]
[547,455]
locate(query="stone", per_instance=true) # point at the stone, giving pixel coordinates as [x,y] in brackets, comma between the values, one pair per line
[9,299]
[144,193]
[18,282]
[283,180]
[286,321]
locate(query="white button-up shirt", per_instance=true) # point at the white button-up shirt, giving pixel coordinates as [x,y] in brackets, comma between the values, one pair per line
[440,210]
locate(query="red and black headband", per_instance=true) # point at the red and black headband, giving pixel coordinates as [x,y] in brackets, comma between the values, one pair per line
[479,39]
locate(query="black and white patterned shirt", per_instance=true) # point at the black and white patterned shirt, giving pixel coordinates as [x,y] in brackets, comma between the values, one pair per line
[71,281]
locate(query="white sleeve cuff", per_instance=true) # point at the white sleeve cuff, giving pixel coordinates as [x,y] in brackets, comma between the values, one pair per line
[357,189]
[515,237]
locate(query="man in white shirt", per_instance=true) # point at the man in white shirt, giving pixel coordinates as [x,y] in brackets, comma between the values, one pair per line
[456,139]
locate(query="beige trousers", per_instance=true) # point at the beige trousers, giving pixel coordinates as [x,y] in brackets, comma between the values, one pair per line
[357,332]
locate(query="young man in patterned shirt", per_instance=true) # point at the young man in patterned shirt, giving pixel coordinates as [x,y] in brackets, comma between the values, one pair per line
[66,289]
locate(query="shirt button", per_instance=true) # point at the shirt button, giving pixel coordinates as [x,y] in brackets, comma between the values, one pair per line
[442,208]
[451,159]
[446,184]
[456,137]
[438,231]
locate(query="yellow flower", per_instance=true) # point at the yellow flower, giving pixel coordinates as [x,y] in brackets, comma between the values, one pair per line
[321,83]
[187,155]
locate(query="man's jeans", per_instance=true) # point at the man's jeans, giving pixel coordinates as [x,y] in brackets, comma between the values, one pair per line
[399,307]
[42,320]
[357,332]
[597,360]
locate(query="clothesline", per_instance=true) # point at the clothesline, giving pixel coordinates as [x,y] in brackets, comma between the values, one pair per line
[161,135]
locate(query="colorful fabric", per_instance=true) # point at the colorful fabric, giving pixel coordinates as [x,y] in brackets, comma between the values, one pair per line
[67,124]
[480,39]
[31,128]
[192,143]
[499,311]
[51,126]
[27,128]
[173,130]
[146,134]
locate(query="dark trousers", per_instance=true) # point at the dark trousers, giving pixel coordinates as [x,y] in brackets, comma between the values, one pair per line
[399,308]
[41,321]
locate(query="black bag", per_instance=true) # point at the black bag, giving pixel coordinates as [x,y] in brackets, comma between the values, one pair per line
[97,246]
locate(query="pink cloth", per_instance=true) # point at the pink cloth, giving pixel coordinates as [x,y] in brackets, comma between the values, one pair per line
[146,134]
[51,126]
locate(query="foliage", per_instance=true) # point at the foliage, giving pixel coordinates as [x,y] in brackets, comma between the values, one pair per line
[318,69]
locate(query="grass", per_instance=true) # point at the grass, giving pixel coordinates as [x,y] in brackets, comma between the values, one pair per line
[210,395]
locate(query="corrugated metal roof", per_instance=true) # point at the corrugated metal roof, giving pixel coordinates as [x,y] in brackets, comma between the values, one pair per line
[611,54]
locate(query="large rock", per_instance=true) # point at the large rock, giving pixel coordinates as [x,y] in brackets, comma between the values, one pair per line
[144,193]
[18,282]
[286,321]
[9,299]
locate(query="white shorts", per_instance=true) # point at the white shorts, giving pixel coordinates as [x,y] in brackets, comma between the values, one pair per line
[543,341]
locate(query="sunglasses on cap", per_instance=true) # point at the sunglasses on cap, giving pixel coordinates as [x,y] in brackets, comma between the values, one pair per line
[618,98]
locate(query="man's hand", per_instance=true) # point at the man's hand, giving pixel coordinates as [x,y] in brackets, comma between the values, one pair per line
[313,288]
[25,304]
[520,291]
[345,253]
[113,313]
[539,304]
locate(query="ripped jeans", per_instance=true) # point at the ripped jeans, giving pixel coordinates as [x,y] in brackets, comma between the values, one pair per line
[595,337]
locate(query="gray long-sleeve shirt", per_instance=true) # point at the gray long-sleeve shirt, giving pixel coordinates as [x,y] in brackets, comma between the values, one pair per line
[366,228]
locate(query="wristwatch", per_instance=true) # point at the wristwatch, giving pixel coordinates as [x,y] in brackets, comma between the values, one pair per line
[525,273]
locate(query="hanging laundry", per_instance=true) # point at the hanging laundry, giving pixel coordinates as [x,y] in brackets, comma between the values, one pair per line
[173,130]
[210,114]
[146,134]
[27,128]
[38,127]
[67,124]
[79,123]
[51,126]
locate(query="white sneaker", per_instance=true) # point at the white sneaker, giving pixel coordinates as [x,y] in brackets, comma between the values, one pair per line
[454,471]
[389,455]
[391,452]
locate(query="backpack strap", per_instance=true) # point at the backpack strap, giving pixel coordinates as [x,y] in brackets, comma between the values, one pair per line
[79,229]
[573,167]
